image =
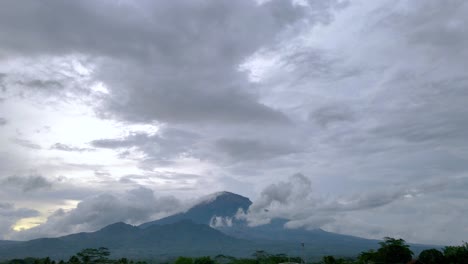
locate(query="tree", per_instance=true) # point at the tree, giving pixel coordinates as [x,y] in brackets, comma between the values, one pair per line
[74,260]
[329,260]
[94,255]
[367,257]
[183,260]
[394,251]
[223,259]
[203,260]
[456,254]
[431,256]
[122,261]
[260,254]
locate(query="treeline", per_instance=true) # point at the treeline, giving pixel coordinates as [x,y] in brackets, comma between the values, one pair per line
[86,256]
[396,251]
[391,251]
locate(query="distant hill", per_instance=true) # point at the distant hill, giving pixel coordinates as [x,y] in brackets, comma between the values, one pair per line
[159,241]
[7,242]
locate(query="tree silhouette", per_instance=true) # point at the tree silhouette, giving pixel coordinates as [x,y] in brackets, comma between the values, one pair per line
[203,260]
[329,260]
[394,251]
[183,260]
[456,254]
[94,255]
[431,256]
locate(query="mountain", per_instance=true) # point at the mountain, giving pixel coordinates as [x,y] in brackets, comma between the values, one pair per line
[7,242]
[222,204]
[189,234]
[272,237]
[123,240]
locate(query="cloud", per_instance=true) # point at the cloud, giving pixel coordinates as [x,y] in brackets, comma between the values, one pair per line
[26,143]
[164,179]
[297,201]
[8,209]
[9,214]
[167,144]
[65,147]
[42,84]
[134,207]
[3,121]
[27,184]
[126,142]
[330,114]
[252,149]
[182,70]
[367,98]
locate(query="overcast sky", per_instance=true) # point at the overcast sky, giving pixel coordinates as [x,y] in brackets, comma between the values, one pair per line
[351,116]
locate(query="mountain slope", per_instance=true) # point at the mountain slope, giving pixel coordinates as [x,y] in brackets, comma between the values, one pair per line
[159,241]
[273,237]
[224,204]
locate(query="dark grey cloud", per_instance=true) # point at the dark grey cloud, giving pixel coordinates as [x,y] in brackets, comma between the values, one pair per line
[9,214]
[330,114]
[191,105]
[129,141]
[182,70]
[252,149]
[3,121]
[134,206]
[42,84]
[39,191]
[167,144]
[26,22]
[2,84]
[297,199]
[8,209]
[28,183]
[65,147]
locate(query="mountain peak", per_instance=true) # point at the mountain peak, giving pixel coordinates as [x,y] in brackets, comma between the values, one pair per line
[117,227]
[225,195]
[220,204]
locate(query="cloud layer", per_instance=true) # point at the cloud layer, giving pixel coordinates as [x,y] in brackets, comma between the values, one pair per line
[365,99]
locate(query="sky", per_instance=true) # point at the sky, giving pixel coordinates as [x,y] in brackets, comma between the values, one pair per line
[350,116]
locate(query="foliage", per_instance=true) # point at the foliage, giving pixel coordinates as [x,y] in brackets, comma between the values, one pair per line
[333,260]
[183,260]
[367,257]
[431,256]
[456,254]
[393,251]
[74,260]
[263,257]
[329,260]
[222,259]
[203,260]
[94,255]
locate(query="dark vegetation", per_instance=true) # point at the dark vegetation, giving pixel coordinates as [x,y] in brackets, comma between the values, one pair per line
[391,251]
